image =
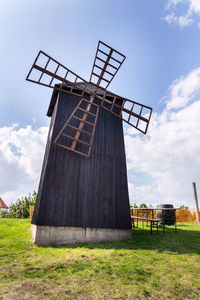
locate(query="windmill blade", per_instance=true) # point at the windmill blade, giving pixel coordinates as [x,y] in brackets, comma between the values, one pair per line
[48,72]
[134,113]
[106,64]
[78,132]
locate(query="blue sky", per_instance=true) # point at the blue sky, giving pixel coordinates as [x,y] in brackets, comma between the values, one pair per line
[160,39]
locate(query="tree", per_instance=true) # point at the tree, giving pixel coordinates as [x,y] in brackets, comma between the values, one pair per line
[183,207]
[21,208]
[143,205]
[134,205]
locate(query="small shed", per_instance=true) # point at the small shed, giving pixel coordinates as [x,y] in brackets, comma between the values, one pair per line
[3,206]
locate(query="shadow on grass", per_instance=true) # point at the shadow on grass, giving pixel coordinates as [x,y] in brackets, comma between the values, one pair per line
[181,241]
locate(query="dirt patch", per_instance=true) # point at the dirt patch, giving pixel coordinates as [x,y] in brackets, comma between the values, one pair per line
[62,289]
[25,290]
[43,290]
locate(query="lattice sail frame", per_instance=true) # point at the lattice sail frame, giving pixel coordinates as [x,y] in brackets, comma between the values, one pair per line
[106,65]
[48,72]
[79,130]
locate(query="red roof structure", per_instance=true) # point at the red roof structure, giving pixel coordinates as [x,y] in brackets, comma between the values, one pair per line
[2,204]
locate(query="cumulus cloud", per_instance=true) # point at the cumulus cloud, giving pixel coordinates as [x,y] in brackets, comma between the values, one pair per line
[195,6]
[173,3]
[143,194]
[184,90]
[169,154]
[192,10]
[182,21]
[21,154]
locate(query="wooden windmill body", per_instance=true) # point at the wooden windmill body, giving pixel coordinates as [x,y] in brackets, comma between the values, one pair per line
[83,191]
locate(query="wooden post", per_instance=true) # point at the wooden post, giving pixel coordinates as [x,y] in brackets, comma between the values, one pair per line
[196,201]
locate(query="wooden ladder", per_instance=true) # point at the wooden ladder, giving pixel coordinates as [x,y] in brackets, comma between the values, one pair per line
[78,132]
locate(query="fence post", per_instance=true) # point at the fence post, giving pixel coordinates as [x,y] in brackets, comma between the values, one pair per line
[196,201]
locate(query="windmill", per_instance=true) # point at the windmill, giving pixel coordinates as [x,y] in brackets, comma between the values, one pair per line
[83,185]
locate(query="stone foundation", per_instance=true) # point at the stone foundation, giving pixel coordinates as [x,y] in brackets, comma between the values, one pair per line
[55,235]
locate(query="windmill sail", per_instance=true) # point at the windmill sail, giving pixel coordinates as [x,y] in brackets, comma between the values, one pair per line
[106,65]
[134,113]
[48,72]
[78,131]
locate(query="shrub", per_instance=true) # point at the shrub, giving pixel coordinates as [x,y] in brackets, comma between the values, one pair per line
[185,215]
[21,208]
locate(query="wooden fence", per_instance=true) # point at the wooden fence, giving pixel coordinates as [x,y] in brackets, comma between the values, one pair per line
[182,215]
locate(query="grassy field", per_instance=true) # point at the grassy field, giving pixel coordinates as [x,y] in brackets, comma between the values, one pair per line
[145,267]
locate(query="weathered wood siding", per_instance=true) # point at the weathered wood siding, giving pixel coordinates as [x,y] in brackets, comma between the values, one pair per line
[84,192]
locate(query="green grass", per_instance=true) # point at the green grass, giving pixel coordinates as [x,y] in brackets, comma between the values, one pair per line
[144,267]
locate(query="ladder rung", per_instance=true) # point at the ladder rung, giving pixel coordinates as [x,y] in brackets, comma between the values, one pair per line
[89,123]
[105,80]
[72,138]
[81,130]
[107,54]
[113,67]
[101,59]
[100,77]
[95,74]
[92,103]
[107,63]
[119,62]
[81,153]
[100,42]
[104,70]
[88,112]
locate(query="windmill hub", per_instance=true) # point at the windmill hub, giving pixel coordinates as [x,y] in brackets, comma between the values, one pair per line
[83,191]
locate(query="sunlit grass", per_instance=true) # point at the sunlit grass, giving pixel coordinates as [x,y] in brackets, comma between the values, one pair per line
[156,267]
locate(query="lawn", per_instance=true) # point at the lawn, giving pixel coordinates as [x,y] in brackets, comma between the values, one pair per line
[144,267]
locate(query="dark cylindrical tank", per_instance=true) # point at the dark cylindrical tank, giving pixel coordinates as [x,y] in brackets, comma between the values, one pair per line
[168,217]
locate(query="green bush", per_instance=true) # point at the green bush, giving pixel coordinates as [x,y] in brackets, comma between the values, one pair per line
[5,214]
[20,209]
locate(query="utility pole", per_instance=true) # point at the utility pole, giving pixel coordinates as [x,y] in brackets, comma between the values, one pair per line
[196,201]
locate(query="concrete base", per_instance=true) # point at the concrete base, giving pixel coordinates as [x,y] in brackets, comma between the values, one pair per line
[49,235]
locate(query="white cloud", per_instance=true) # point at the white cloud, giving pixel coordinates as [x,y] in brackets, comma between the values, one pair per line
[173,3]
[192,10]
[195,5]
[182,21]
[142,194]
[170,151]
[184,90]
[21,154]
